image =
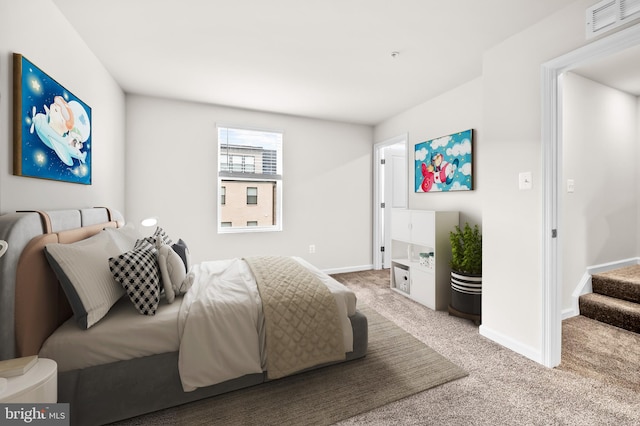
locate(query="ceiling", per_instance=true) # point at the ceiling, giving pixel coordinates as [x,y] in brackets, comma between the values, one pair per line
[620,71]
[328,59]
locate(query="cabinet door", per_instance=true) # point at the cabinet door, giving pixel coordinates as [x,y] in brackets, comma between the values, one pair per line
[423,228]
[400,224]
[423,287]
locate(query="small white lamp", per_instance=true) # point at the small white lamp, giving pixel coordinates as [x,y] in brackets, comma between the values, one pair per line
[149,221]
[3,247]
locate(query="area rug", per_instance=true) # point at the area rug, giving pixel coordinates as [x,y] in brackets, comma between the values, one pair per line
[397,365]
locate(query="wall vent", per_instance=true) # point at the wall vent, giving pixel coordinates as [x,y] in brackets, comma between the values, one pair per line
[606,15]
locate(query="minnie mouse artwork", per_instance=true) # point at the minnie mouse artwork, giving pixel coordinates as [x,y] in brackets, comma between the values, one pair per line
[444,164]
[439,171]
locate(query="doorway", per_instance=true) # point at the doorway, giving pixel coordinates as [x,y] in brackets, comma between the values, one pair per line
[552,73]
[391,183]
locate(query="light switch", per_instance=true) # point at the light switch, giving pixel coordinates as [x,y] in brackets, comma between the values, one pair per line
[571,185]
[524,180]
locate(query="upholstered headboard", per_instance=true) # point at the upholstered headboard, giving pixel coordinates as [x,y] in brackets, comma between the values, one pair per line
[32,303]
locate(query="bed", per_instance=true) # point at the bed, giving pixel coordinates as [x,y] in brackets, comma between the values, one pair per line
[126,363]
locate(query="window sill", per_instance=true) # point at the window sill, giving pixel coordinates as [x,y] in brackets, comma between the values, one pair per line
[248,229]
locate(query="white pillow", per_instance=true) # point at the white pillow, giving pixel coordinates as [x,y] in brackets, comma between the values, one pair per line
[125,237]
[172,270]
[83,271]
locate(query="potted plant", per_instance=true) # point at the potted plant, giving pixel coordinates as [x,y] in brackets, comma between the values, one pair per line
[466,272]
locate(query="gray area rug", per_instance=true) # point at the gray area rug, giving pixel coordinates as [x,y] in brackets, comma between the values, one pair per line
[397,365]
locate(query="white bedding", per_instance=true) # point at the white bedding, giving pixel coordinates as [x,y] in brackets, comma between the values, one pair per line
[125,334]
[224,295]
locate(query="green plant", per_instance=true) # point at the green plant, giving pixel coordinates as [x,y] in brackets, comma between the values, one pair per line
[466,249]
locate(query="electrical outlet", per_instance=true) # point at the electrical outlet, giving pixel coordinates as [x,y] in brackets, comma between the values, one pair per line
[312,248]
[571,185]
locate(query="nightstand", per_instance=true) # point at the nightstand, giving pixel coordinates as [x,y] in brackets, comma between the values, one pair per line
[38,385]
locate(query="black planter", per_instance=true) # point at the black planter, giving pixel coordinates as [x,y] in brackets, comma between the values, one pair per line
[466,293]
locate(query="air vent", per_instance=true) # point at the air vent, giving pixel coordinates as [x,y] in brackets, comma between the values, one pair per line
[629,8]
[609,14]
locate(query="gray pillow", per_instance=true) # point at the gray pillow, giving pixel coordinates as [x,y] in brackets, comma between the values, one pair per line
[182,250]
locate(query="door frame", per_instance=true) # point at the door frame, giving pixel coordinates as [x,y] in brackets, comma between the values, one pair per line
[551,79]
[378,238]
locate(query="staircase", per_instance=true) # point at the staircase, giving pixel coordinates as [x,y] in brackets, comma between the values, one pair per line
[615,299]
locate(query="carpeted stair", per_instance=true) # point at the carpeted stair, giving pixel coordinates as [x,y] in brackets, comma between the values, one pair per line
[615,299]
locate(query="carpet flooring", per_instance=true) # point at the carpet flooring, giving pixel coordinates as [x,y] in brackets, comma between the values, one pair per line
[397,365]
[601,351]
[502,388]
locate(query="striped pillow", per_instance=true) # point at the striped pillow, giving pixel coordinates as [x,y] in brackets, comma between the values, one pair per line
[83,271]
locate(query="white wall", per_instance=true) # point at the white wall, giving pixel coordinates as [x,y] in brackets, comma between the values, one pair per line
[327,180]
[599,219]
[457,110]
[511,143]
[504,105]
[37,30]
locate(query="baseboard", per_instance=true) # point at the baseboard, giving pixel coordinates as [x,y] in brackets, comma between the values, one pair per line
[584,286]
[348,269]
[569,313]
[603,267]
[509,343]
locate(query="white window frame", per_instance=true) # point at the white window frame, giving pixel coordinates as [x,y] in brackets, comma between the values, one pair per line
[267,178]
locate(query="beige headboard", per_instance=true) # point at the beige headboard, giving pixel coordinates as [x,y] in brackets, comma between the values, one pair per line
[32,303]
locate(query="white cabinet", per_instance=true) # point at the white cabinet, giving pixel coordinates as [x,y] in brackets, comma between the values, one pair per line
[420,255]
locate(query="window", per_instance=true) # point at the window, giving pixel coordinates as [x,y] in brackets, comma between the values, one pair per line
[238,163]
[252,195]
[249,180]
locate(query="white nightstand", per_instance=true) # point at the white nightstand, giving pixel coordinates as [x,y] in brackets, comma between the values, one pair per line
[38,385]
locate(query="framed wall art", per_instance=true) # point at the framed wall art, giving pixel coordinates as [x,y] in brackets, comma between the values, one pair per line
[445,164]
[52,127]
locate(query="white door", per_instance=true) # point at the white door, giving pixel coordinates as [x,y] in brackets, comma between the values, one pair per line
[391,192]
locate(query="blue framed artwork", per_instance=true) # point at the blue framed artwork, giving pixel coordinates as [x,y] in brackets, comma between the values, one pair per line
[52,127]
[445,164]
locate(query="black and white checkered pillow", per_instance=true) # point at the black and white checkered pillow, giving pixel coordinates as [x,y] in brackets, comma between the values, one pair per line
[137,272]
